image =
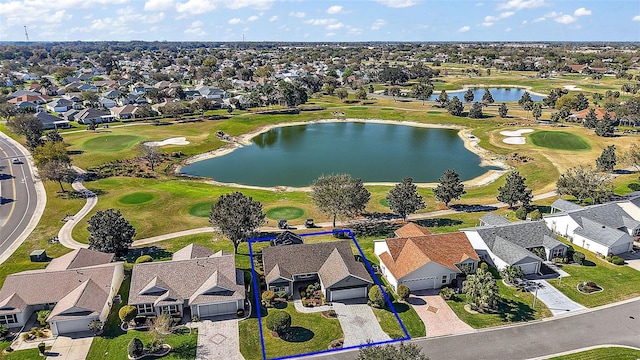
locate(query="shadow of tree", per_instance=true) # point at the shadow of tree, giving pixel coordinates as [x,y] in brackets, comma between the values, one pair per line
[438,222]
[186,351]
[515,311]
[297,334]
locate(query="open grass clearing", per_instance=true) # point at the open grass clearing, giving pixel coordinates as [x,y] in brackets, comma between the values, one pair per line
[111,142]
[560,140]
[618,353]
[136,198]
[202,210]
[619,282]
[285,212]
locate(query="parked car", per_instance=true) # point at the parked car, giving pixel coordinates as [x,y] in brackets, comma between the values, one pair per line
[16,161]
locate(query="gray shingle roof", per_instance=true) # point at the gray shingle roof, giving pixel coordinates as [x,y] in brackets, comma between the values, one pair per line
[511,253]
[600,233]
[80,258]
[528,234]
[493,219]
[192,251]
[609,214]
[564,205]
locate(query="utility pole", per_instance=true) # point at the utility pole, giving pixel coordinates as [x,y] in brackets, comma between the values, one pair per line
[26,34]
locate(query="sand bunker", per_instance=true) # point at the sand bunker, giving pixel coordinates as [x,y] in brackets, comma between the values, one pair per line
[572,88]
[515,132]
[170,141]
[514,140]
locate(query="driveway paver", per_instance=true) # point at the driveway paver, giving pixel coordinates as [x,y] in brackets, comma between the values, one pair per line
[555,300]
[359,324]
[218,340]
[437,316]
[70,348]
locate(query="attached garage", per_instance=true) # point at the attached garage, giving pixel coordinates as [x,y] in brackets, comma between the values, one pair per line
[71,326]
[529,268]
[420,283]
[217,309]
[345,294]
[621,248]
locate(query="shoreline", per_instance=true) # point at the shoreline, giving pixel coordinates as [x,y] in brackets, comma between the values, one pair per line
[481,86]
[471,143]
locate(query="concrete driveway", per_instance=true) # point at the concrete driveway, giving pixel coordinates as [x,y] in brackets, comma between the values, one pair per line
[218,340]
[555,300]
[359,323]
[437,316]
[632,260]
[70,348]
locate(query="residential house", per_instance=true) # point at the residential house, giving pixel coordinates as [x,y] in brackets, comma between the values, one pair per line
[77,287]
[603,229]
[332,264]
[34,98]
[124,112]
[85,116]
[523,244]
[421,260]
[107,103]
[196,281]
[580,116]
[51,122]
[28,106]
[60,105]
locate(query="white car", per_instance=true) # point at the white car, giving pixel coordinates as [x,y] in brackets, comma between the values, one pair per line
[16,161]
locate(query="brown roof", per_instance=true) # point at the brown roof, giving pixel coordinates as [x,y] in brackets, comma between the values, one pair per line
[80,258]
[409,254]
[52,286]
[412,229]
[332,261]
[199,280]
[192,251]
[86,299]
[582,114]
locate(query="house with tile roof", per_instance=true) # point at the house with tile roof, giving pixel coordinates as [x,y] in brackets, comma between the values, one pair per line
[581,115]
[603,229]
[503,243]
[332,264]
[195,281]
[77,287]
[422,260]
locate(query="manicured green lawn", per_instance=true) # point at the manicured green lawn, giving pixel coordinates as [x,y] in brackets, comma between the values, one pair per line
[514,302]
[202,209]
[408,316]
[111,142]
[28,354]
[309,333]
[618,353]
[618,282]
[136,198]
[285,212]
[559,140]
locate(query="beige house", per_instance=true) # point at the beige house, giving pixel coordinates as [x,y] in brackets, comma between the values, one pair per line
[77,287]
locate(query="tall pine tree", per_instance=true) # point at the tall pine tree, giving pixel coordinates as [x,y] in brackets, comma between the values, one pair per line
[514,191]
[404,199]
[449,187]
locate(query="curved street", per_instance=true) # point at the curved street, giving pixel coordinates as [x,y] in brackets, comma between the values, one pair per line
[22,196]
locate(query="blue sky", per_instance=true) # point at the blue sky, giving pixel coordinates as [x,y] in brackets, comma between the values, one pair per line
[321,20]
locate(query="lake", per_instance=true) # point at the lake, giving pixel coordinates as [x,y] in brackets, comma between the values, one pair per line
[297,155]
[499,94]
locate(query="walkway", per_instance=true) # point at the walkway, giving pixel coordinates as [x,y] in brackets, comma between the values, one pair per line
[437,316]
[64,235]
[218,340]
[556,301]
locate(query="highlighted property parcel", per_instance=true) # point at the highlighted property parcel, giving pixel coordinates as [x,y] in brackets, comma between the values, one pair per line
[332,269]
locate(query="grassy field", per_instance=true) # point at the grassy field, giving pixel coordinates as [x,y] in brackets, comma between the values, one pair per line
[607,353]
[560,140]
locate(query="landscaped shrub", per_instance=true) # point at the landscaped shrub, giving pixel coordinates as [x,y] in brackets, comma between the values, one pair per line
[95,326]
[375,297]
[267,297]
[42,348]
[278,321]
[615,260]
[536,215]
[135,348]
[521,213]
[144,259]
[4,330]
[240,312]
[447,293]
[578,258]
[511,273]
[403,292]
[127,313]
[42,317]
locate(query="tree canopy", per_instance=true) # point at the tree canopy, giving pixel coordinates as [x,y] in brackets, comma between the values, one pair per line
[339,195]
[28,126]
[607,159]
[475,112]
[514,190]
[468,95]
[455,107]
[583,182]
[237,216]
[487,98]
[503,110]
[449,187]
[404,199]
[110,232]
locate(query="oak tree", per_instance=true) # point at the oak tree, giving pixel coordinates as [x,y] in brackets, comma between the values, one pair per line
[404,199]
[237,216]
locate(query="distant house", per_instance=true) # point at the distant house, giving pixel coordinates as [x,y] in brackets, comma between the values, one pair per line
[196,281]
[332,264]
[421,260]
[34,98]
[124,112]
[60,105]
[580,116]
[505,243]
[77,287]
[85,116]
[605,228]
[51,122]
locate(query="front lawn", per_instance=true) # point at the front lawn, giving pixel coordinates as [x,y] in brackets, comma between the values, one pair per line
[619,282]
[618,353]
[309,333]
[513,306]
[410,319]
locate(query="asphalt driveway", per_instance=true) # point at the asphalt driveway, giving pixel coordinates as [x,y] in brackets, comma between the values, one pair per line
[555,300]
[437,316]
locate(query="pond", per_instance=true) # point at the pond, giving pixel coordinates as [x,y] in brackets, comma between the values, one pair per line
[297,155]
[499,94]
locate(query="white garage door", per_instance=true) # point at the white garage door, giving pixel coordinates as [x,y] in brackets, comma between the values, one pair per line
[348,294]
[529,268]
[420,284]
[73,326]
[217,309]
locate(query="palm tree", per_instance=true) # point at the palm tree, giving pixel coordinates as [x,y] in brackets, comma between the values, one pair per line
[481,290]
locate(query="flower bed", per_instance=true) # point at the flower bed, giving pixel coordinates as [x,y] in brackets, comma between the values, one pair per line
[162,351]
[588,287]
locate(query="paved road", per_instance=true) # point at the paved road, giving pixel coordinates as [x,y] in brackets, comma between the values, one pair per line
[618,325]
[22,197]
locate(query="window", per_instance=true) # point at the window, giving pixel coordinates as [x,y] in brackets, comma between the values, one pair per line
[444,279]
[557,253]
[278,289]
[145,308]
[171,309]
[8,319]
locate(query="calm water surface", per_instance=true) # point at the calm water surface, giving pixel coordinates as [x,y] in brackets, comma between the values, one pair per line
[499,94]
[297,155]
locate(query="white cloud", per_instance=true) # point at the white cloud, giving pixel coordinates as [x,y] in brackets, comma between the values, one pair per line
[537,20]
[398,3]
[503,15]
[507,29]
[565,19]
[521,4]
[334,9]
[235,21]
[196,7]
[464,29]
[335,26]
[524,22]
[354,30]
[330,34]
[479,4]
[298,14]
[253,18]
[582,12]
[636,18]
[330,24]
[552,14]
[253,4]
[378,24]
[196,29]
[487,24]
[158,5]
[273,18]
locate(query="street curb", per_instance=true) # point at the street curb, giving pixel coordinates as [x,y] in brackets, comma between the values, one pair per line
[41,200]
[583,349]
